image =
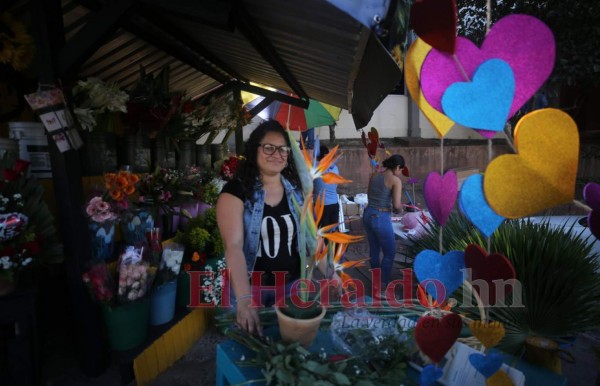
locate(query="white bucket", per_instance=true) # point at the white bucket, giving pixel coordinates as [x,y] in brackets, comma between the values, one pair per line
[33,146]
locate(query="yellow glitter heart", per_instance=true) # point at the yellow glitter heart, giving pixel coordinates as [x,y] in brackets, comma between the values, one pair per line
[414,61]
[542,174]
[488,333]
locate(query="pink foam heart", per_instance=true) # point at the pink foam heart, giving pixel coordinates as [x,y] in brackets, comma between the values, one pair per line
[440,194]
[522,41]
[591,195]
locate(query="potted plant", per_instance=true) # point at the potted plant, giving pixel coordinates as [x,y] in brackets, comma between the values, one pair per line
[557,271]
[300,316]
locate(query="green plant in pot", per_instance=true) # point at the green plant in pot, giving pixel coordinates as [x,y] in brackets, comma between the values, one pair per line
[315,251]
[556,268]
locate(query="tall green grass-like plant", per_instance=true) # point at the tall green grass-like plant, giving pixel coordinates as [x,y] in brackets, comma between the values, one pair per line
[558,272]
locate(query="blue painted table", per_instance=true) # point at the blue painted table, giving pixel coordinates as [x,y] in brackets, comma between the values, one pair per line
[229,353]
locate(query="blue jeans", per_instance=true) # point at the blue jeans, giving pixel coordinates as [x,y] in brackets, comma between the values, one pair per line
[380,234]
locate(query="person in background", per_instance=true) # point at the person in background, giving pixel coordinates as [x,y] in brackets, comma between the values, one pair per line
[384,195]
[331,210]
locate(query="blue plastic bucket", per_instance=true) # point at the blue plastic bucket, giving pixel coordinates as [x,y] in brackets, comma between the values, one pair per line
[162,303]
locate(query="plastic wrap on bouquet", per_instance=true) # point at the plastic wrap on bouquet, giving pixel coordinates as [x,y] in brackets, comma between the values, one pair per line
[102,239]
[192,209]
[135,225]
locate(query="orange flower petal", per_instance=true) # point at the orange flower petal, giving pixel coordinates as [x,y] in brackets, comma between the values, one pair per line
[342,238]
[332,178]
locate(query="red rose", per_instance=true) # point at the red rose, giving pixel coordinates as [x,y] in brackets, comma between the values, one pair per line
[10,175]
[21,166]
[33,247]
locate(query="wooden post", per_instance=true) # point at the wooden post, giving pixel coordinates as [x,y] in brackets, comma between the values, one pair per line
[66,173]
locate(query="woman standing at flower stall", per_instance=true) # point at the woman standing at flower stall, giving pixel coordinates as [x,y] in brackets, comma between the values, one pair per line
[257,220]
[384,194]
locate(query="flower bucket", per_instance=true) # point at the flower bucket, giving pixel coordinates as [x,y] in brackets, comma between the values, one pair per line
[202,207]
[8,286]
[192,209]
[127,325]
[183,290]
[102,239]
[162,303]
[135,225]
[303,331]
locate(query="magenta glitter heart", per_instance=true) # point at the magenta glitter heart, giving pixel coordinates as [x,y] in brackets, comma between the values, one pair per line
[440,194]
[522,41]
[591,195]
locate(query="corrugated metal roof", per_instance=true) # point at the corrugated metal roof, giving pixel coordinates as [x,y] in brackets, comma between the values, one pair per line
[307,46]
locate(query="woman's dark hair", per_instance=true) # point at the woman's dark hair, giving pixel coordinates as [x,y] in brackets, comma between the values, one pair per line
[248,172]
[393,161]
[323,151]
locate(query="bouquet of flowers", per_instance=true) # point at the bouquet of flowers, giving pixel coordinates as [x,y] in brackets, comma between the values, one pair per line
[160,188]
[201,235]
[170,263]
[109,204]
[230,166]
[215,281]
[96,102]
[99,282]
[27,232]
[151,105]
[134,275]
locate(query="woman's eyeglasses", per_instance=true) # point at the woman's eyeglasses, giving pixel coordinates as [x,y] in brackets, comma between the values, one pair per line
[269,149]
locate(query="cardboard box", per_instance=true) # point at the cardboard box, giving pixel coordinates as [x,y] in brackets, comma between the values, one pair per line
[351,209]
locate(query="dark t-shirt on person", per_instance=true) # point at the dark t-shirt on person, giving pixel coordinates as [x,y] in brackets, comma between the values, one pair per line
[277,251]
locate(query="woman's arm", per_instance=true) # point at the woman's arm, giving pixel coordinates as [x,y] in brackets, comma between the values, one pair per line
[396,193]
[230,219]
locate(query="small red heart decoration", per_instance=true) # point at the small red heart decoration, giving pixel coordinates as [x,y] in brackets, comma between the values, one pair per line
[488,268]
[435,23]
[436,336]
[374,142]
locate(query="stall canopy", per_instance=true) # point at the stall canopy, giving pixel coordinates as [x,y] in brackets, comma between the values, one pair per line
[309,48]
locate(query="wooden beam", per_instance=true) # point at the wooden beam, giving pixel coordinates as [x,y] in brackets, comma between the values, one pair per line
[261,106]
[101,25]
[162,40]
[245,23]
[184,38]
[275,95]
[214,13]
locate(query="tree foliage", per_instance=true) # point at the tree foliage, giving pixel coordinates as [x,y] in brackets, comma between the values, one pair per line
[576,27]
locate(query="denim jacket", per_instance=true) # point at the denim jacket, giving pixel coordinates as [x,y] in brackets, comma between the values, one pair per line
[253,215]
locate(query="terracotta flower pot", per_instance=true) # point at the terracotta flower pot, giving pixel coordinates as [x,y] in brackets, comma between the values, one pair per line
[299,330]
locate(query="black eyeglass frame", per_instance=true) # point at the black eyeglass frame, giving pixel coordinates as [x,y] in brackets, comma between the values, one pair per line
[284,150]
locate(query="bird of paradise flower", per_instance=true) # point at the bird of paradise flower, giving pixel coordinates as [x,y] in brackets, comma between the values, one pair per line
[313,248]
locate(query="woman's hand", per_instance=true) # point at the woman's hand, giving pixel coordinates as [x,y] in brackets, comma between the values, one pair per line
[247,317]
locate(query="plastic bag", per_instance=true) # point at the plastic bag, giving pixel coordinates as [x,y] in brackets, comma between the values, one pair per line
[352,331]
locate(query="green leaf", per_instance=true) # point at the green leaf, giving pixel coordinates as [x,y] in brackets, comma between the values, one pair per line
[341,379]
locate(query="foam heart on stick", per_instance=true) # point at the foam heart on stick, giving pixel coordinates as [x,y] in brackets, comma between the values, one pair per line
[542,174]
[435,336]
[487,365]
[522,41]
[434,21]
[440,194]
[414,60]
[591,195]
[484,102]
[473,204]
[491,274]
[429,375]
[488,333]
[440,275]
[500,378]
